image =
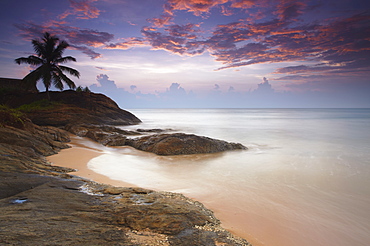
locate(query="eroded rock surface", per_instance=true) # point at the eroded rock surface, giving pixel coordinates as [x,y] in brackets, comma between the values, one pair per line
[181,144]
[23,145]
[160,144]
[42,210]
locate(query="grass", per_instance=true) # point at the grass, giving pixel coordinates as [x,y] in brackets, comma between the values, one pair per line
[11,117]
[43,104]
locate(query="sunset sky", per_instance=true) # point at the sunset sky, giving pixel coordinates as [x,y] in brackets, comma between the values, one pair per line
[203,53]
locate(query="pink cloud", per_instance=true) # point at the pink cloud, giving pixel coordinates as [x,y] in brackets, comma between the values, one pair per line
[197,7]
[178,39]
[127,44]
[163,20]
[82,10]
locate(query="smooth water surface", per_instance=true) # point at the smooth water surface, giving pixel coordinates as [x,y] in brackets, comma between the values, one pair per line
[305,179]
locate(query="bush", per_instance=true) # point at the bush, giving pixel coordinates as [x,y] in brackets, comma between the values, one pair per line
[80,89]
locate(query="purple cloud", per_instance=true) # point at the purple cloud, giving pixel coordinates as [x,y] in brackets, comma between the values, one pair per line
[78,38]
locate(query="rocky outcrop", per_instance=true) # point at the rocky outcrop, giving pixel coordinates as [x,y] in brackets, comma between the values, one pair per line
[37,209]
[160,144]
[106,135]
[182,144]
[23,144]
[15,85]
[71,107]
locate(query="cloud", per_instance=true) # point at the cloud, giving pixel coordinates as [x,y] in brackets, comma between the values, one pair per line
[102,68]
[177,39]
[264,88]
[173,96]
[339,45]
[197,7]
[163,20]
[127,44]
[216,87]
[78,38]
[264,96]
[274,32]
[133,87]
[82,10]
[287,10]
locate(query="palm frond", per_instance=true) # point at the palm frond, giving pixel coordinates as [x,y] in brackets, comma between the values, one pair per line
[49,51]
[59,50]
[67,80]
[38,47]
[50,42]
[30,80]
[69,70]
[65,59]
[57,81]
[31,60]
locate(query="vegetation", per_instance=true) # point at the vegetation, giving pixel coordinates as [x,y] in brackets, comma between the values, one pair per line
[38,105]
[48,58]
[11,117]
[80,89]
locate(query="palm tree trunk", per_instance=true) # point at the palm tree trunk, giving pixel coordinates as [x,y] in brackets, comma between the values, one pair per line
[48,94]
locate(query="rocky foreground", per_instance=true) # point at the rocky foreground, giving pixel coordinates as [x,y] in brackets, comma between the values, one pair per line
[44,205]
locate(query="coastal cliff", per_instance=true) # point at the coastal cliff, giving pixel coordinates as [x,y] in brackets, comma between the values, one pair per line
[68,107]
[42,204]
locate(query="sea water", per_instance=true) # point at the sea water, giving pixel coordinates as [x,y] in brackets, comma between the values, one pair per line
[304,180]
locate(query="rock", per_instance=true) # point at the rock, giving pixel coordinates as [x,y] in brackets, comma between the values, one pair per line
[37,210]
[71,107]
[23,144]
[106,135]
[160,144]
[150,130]
[181,144]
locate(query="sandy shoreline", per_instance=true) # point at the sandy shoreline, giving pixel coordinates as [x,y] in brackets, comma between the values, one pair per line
[79,155]
[77,158]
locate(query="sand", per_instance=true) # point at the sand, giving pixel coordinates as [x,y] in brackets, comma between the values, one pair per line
[78,156]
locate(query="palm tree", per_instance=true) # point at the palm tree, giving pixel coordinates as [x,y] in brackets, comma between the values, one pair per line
[48,56]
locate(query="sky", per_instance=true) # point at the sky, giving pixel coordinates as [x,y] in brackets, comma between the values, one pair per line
[203,53]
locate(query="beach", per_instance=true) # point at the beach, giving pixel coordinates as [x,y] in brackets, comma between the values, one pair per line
[302,181]
[83,150]
[77,158]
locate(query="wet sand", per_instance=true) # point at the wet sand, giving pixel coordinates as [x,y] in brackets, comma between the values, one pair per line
[79,155]
[77,158]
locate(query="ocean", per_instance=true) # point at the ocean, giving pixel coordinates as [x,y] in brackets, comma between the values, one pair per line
[304,180]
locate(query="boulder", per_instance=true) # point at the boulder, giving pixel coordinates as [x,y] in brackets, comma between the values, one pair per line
[182,144]
[106,135]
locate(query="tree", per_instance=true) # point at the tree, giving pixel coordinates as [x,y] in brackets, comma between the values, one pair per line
[48,56]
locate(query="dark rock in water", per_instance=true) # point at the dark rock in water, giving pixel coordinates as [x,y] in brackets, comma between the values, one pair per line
[71,107]
[106,135]
[181,144]
[150,130]
[160,144]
